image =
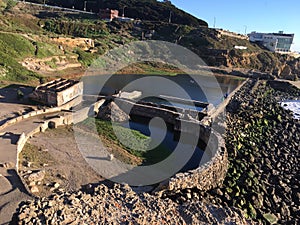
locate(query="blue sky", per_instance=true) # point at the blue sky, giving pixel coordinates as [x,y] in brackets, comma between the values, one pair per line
[255,15]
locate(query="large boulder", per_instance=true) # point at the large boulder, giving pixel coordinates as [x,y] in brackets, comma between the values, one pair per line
[38,176]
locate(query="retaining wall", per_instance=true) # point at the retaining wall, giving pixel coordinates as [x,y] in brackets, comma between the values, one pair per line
[209,175]
[212,173]
[42,127]
[221,108]
[41,112]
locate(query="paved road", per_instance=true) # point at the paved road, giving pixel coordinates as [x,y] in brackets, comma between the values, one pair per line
[57,7]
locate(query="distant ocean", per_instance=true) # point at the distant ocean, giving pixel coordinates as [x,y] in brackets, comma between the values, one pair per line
[293,106]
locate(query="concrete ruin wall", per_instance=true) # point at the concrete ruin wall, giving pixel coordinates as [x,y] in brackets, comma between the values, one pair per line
[83,43]
[59,95]
[67,119]
[209,175]
[150,110]
[60,121]
[68,94]
[41,112]
[147,111]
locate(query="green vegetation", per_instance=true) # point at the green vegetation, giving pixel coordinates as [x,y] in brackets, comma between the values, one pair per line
[43,50]
[106,132]
[7,4]
[16,46]
[77,28]
[52,63]
[151,68]
[12,49]
[34,155]
[85,58]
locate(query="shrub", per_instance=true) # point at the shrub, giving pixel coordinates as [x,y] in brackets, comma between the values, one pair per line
[10,4]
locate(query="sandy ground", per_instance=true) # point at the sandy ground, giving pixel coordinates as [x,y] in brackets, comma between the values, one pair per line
[66,165]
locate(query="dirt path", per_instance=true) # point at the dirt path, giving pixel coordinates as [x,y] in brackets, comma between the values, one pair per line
[12,190]
[67,165]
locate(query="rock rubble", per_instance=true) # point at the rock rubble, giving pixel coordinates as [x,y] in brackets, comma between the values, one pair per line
[121,205]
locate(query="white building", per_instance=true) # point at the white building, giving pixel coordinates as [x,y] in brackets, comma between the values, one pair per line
[275,42]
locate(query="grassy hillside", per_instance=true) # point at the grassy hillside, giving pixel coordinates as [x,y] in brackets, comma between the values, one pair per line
[13,48]
[27,31]
[151,10]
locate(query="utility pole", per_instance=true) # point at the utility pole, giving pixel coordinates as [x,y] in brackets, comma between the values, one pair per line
[123,14]
[245,29]
[215,19]
[84,7]
[170,17]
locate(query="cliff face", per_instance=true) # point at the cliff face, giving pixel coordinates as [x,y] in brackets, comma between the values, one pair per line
[285,67]
[217,49]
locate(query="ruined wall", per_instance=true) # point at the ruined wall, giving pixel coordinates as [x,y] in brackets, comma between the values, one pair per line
[149,110]
[67,95]
[66,119]
[41,112]
[83,43]
[209,175]
[232,34]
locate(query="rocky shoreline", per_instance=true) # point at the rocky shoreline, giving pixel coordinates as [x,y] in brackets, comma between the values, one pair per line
[263,149]
[261,185]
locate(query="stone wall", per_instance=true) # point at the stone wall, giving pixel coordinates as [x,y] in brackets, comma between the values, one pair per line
[83,43]
[42,127]
[207,176]
[147,111]
[212,173]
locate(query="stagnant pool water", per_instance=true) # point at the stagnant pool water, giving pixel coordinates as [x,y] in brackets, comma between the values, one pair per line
[166,139]
[199,88]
